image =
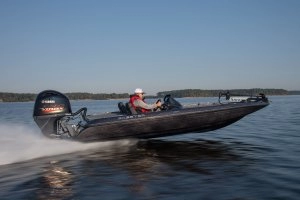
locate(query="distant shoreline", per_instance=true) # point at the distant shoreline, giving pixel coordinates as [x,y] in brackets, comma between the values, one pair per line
[28,97]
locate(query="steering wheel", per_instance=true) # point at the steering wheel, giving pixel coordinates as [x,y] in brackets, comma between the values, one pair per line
[166,98]
[158,100]
[165,105]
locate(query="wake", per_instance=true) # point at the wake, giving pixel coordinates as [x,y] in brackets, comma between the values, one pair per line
[21,143]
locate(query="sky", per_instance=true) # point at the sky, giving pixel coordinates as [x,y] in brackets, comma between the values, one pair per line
[115,46]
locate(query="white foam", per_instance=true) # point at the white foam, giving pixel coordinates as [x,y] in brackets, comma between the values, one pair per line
[20,143]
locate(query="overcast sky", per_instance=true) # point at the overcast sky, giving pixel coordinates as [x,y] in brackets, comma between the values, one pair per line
[117,45]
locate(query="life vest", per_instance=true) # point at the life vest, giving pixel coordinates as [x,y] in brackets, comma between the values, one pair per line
[137,97]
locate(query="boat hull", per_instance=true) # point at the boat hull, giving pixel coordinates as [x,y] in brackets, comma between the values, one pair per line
[199,119]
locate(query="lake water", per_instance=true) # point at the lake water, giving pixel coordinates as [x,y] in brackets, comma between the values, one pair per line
[254,158]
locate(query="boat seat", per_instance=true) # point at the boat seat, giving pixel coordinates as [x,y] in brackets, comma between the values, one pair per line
[123,108]
[131,109]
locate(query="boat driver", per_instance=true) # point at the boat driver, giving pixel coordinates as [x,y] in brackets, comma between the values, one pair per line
[138,103]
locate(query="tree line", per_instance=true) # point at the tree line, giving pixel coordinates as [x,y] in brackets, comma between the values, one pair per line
[101,96]
[25,97]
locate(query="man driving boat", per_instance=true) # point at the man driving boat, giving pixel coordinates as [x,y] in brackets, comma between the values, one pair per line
[138,103]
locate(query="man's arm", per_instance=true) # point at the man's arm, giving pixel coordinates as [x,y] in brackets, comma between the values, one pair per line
[141,104]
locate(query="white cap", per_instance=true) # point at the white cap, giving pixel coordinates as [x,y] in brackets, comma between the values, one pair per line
[138,91]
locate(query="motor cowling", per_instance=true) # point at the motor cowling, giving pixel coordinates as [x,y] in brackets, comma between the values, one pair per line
[49,107]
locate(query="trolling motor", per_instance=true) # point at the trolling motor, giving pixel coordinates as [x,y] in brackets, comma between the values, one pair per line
[239,98]
[52,112]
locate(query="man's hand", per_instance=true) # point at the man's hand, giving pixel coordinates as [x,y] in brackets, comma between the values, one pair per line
[158,103]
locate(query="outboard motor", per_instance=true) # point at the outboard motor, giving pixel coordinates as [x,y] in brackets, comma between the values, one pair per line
[49,107]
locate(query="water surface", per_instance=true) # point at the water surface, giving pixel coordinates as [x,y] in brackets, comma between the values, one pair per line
[255,158]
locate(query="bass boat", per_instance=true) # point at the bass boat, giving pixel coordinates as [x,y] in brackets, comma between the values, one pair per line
[53,114]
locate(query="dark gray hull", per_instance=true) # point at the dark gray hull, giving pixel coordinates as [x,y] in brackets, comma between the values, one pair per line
[160,124]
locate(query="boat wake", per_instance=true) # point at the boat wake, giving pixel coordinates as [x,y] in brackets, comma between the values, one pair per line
[19,143]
